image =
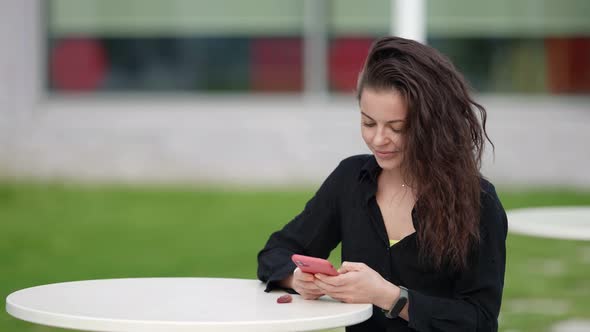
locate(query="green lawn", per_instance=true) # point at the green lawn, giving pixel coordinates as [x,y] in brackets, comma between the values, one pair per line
[55,232]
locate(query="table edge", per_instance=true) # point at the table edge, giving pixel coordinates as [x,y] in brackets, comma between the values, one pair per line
[106,324]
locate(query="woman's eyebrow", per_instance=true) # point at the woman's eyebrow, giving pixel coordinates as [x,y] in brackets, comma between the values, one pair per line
[392,121]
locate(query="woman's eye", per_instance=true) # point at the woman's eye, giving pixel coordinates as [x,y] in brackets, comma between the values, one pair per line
[397,130]
[368,124]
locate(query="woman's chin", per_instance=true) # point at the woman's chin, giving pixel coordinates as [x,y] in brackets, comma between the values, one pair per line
[388,164]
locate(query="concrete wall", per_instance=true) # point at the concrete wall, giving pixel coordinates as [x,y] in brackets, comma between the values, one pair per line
[20,58]
[539,141]
[239,139]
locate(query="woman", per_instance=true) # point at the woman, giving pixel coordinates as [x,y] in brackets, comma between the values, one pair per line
[423,234]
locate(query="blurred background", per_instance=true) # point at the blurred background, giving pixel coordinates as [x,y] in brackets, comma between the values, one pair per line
[137,135]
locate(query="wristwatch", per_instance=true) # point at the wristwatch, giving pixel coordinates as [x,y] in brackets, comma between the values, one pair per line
[399,304]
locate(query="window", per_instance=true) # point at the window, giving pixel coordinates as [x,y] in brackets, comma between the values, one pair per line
[502,46]
[175,45]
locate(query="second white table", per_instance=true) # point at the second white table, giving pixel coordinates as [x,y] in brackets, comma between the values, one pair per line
[565,222]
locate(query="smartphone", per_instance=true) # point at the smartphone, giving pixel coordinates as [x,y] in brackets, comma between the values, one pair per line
[314,265]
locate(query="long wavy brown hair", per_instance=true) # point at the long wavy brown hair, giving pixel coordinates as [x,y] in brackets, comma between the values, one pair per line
[445,137]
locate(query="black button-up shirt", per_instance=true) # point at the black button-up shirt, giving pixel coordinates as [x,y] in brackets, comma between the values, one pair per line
[345,210]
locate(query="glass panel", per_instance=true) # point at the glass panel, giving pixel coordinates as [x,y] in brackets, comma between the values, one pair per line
[515,46]
[353,27]
[504,46]
[175,17]
[508,18]
[177,45]
[359,18]
[498,65]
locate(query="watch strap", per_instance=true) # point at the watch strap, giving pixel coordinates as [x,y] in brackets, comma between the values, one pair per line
[399,304]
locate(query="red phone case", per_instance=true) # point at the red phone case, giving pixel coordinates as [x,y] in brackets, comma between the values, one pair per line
[314,265]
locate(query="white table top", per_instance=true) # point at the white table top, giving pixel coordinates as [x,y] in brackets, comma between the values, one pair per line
[177,304]
[571,222]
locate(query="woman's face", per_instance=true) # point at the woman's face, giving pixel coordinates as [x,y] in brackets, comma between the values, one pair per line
[383,119]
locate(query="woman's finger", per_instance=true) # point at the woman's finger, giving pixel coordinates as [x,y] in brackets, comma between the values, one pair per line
[328,288]
[350,266]
[336,281]
[304,276]
[310,286]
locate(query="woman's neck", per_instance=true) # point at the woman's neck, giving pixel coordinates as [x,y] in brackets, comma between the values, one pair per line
[394,177]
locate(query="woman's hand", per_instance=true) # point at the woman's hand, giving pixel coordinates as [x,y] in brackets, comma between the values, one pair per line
[304,284]
[358,283]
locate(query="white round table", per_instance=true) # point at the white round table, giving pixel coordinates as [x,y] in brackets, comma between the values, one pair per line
[572,222]
[177,304]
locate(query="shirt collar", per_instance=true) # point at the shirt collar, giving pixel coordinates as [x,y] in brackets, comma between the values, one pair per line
[368,178]
[370,170]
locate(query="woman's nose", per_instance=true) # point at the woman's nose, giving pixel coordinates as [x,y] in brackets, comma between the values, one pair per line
[381,137]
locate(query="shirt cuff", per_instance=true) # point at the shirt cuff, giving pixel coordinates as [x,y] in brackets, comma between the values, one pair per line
[430,313]
[418,304]
[276,277]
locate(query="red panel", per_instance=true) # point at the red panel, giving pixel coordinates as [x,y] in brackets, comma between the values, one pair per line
[347,56]
[78,64]
[568,64]
[580,64]
[276,64]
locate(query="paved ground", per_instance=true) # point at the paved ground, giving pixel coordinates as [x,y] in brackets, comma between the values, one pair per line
[272,140]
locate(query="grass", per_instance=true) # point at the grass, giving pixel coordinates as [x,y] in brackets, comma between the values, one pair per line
[59,232]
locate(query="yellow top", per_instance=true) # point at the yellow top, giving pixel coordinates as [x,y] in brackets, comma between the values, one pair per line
[392,242]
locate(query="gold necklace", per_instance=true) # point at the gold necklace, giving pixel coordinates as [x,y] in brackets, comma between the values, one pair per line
[404,190]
